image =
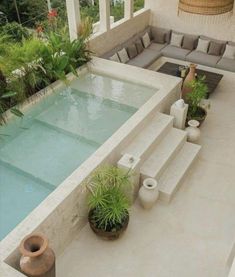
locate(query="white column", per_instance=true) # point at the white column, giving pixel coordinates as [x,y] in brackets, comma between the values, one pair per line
[129,9]
[49,4]
[74,18]
[179,111]
[104,15]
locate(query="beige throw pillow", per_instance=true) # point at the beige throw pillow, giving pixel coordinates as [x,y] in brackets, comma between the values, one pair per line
[203,45]
[176,40]
[146,40]
[123,56]
[229,52]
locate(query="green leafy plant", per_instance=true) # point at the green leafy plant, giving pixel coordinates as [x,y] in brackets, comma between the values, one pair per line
[138,4]
[108,200]
[33,64]
[15,31]
[6,99]
[199,92]
[61,56]
[22,67]
[29,10]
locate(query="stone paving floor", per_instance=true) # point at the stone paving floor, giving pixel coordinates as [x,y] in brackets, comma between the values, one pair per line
[194,234]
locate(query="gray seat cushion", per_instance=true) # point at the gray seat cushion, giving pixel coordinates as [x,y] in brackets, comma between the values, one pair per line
[145,59]
[226,64]
[203,58]
[175,52]
[157,46]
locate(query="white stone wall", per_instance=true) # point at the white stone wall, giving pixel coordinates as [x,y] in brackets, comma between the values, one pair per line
[164,13]
[120,32]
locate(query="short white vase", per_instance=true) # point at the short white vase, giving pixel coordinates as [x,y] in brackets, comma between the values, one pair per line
[148,193]
[193,132]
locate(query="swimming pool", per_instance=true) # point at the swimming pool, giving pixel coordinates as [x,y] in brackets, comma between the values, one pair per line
[56,136]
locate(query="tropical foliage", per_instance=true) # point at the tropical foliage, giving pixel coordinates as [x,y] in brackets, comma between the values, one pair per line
[116,9]
[14,31]
[32,63]
[30,11]
[108,199]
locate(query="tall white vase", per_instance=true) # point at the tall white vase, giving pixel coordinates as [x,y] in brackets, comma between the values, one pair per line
[148,193]
[193,132]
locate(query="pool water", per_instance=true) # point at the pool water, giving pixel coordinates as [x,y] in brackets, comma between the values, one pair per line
[54,137]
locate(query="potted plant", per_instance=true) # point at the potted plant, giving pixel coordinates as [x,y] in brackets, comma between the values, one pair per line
[108,201]
[194,98]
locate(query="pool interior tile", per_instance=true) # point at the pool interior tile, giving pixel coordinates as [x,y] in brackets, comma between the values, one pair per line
[123,92]
[19,195]
[87,116]
[46,153]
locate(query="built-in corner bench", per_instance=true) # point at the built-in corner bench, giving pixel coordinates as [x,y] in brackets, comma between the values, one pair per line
[145,48]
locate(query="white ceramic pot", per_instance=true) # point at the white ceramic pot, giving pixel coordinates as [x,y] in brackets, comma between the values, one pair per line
[148,193]
[180,103]
[193,132]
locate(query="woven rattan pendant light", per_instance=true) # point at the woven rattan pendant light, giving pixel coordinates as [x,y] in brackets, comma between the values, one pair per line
[213,10]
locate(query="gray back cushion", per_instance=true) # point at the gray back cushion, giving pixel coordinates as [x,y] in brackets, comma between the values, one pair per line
[190,42]
[215,48]
[139,46]
[127,43]
[132,51]
[160,35]
[231,43]
[217,41]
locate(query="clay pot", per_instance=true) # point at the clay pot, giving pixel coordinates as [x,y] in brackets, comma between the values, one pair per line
[148,193]
[193,132]
[189,78]
[37,258]
[108,235]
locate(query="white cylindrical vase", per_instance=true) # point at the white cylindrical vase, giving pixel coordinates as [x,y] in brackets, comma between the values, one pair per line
[193,132]
[179,111]
[148,193]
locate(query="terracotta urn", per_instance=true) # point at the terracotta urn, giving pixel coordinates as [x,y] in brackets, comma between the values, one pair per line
[189,78]
[193,132]
[37,258]
[148,193]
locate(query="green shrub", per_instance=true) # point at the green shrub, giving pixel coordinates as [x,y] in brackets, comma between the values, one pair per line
[60,56]
[6,99]
[14,31]
[30,11]
[138,4]
[34,63]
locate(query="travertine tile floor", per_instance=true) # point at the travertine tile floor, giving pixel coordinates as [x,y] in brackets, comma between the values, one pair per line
[193,235]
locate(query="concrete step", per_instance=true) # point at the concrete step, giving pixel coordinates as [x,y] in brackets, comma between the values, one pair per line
[163,154]
[170,180]
[146,140]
